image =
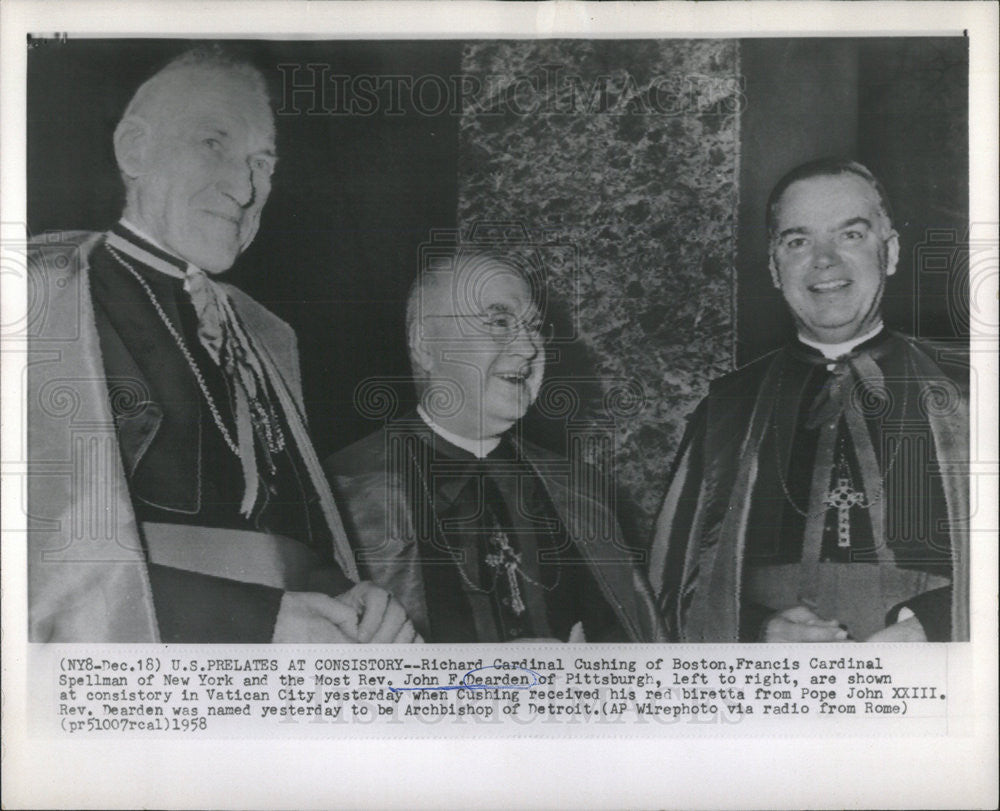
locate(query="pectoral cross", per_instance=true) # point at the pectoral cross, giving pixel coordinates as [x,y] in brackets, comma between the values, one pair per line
[842,498]
[506,558]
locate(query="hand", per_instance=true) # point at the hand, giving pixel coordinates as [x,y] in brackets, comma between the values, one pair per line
[800,624]
[383,618]
[306,616]
[909,630]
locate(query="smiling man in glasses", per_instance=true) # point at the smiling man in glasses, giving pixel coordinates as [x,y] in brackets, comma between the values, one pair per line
[821,492]
[460,518]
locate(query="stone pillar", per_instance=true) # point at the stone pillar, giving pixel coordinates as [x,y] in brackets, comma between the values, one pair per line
[618,163]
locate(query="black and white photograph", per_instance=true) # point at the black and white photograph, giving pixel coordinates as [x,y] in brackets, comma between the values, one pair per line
[481,357]
[569,260]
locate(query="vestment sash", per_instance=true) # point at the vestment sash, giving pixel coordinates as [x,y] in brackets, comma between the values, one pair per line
[871,589]
[250,557]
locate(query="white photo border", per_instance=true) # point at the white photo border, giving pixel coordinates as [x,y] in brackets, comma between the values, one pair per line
[435,773]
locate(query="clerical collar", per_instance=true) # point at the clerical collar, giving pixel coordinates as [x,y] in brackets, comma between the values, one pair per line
[479,448]
[129,239]
[834,351]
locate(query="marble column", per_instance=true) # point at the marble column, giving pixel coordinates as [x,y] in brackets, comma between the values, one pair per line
[617,162]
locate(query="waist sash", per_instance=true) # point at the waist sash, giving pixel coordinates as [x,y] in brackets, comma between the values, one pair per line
[857,594]
[250,557]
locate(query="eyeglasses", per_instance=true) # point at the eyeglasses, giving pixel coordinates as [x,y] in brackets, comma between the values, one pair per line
[504,328]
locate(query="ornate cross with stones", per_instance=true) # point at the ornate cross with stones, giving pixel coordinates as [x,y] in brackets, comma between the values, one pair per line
[842,498]
[506,558]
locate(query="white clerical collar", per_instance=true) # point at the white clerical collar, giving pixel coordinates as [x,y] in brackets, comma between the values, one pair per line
[135,229]
[477,447]
[148,258]
[834,351]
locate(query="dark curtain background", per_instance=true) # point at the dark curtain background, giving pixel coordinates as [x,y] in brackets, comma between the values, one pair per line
[900,106]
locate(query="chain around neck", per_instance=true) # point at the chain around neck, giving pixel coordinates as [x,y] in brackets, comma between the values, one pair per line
[179,340]
[457,559]
[871,502]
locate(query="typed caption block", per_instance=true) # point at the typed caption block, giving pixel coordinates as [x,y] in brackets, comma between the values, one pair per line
[320,691]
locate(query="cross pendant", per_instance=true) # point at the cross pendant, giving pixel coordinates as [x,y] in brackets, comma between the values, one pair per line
[509,560]
[842,498]
[516,603]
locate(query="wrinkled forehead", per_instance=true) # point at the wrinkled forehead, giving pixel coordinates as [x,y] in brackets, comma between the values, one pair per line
[481,286]
[210,94]
[827,200]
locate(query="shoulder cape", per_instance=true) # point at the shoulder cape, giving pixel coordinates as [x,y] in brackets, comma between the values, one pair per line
[376,497]
[699,536]
[87,577]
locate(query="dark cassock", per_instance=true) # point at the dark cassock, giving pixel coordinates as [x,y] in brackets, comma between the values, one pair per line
[488,540]
[838,483]
[226,503]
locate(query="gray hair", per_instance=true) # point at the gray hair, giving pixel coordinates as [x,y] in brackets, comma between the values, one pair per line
[210,57]
[456,260]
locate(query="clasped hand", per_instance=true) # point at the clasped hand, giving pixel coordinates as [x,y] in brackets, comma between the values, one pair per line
[364,614]
[802,624]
